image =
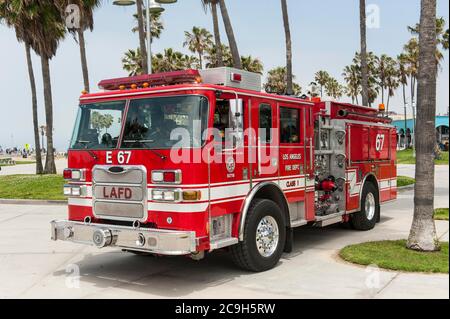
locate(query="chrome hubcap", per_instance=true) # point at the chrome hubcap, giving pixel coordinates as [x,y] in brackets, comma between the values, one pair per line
[267,236]
[370,206]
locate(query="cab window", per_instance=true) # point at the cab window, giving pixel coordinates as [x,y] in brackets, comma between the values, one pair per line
[265,122]
[98,126]
[289,125]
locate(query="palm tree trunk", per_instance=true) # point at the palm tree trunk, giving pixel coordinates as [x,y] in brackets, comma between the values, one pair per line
[219,53]
[84,66]
[142,45]
[37,145]
[404,106]
[50,167]
[230,34]
[388,100]
[287,31]
[200,59]
[423,231]
[364,67]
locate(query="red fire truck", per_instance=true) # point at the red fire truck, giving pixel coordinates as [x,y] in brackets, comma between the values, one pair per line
[188,162]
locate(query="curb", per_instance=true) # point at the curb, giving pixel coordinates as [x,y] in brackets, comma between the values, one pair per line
[33,202]
[406,188]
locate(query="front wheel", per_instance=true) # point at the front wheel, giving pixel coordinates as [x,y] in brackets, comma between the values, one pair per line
[367,218]
[264,237]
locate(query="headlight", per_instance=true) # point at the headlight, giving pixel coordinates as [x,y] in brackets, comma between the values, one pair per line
[74,191]
[166,195]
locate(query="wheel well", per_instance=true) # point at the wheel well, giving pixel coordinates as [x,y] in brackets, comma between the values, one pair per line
[274,194]
[373,180]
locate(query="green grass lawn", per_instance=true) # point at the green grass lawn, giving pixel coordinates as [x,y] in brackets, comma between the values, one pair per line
[405,181]
[20,163]
[394,255]
[49,187]
[406,157]
[441,214]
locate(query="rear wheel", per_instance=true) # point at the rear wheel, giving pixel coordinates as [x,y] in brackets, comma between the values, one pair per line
[264,237]
[367,218]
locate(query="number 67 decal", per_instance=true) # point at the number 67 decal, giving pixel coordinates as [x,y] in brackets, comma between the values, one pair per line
[379,142]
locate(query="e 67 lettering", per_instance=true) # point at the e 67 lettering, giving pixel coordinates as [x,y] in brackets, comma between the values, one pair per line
[123,157]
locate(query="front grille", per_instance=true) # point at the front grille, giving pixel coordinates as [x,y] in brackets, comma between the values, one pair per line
[120,194]
[118,209]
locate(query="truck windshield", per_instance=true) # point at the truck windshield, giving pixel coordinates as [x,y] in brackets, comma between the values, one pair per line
[165,122]
[98,126]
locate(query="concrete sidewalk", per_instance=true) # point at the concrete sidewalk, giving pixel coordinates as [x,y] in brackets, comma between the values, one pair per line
[61,164]
[32,266]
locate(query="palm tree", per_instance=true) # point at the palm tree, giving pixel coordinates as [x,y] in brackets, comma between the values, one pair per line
[169,61]
[445,43]
[276,82]
[411,53]
[212,4]
[157,26]
[140,28]
[364,62]
[47,29]
[230,34]
[252,64]
[17,14]
[321,78]
[197,41]
[352,77]
[441,33]
[423,236]
[132,62]
[86,22]
[287,32]
[211,57]
[386,73]
[403,80]
[334,89]
[372,82]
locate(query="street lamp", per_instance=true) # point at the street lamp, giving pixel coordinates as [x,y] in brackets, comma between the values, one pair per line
[153,6]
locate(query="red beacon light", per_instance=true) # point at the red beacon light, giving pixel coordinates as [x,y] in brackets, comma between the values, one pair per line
[149,80]
[236,77]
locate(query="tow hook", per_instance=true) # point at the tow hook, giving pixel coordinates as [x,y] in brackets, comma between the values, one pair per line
[102,238]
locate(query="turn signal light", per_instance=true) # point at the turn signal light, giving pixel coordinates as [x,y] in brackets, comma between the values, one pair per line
[192,195]
[74,174]
[166,177]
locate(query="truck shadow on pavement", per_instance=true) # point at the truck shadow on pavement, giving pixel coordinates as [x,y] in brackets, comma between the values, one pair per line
[180,276]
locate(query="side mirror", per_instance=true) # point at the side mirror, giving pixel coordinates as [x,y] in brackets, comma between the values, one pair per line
[237,122]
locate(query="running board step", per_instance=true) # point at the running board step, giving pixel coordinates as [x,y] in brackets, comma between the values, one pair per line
[223,243]
[323,221]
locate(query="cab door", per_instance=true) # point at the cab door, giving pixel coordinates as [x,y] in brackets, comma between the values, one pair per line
[229,176]
[265,129]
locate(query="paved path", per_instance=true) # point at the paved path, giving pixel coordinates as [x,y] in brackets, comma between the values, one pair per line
[61,164]
[32,266]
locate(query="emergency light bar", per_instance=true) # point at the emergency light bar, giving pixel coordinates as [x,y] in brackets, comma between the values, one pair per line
[148,80]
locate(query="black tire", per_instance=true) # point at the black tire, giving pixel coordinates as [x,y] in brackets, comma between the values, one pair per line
[246,254]
[360,220]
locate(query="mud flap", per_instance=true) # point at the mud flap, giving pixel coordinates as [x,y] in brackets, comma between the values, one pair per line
[289,244]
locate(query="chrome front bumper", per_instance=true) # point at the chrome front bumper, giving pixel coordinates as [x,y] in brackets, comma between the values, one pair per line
[164,242]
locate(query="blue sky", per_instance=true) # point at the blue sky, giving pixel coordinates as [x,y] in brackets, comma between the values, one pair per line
[325,36]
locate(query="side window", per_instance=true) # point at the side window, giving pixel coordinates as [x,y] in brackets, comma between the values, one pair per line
[229,120]
[265,122]
[289,125]
[222,117]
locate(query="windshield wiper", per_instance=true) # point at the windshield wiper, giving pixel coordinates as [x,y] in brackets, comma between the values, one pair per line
[163,157]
